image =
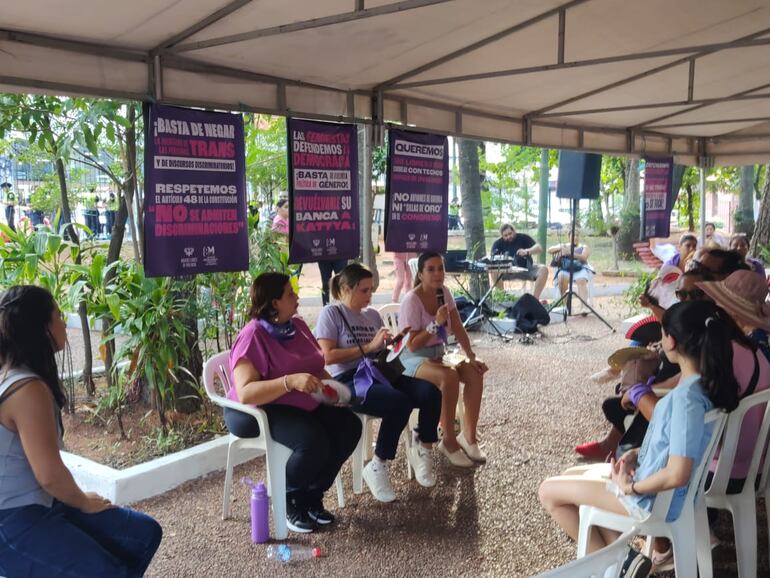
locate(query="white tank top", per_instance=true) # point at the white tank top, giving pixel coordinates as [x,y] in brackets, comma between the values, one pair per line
[18,486]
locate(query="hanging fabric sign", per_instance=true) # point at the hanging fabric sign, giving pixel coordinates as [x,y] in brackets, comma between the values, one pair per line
[195,192]
[658,197]
[416,198]
[323,191]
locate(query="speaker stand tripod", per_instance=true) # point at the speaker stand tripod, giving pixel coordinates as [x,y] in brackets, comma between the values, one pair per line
[567,297]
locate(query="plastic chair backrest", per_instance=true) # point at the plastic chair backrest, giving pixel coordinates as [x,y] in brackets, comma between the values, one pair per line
[729,445]
[217,368]
[596,564]
[389,314]
[716,418]
[413,267]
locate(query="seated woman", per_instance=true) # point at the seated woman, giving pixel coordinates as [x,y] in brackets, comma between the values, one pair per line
[740,243]
[276,363]
[47,523]
[582,273]
[429,312]
[698,337]
[617,408]
[688,244]
[344,331]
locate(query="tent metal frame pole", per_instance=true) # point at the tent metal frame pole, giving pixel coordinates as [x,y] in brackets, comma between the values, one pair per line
[308,24]
[64,88]
[77,46]
[702,205]
[707,122]
[639,76]
[479,44]
[562,65]
[648,106]
[742,93]
[200,25]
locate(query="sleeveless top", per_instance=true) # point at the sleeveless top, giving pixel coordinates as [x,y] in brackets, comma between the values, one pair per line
[18,486]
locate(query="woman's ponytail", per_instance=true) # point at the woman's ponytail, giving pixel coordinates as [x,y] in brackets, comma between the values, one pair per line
[716,363]
[705,333]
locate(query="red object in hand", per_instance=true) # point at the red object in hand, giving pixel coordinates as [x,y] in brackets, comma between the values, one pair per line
[330,392]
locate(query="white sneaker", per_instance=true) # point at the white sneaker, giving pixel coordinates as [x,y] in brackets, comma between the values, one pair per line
[421,460]
[472,450]
[457,457]
[377,479]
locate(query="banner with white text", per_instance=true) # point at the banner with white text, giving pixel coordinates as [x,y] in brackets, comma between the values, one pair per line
[416,200]
[323,191]
[195,192]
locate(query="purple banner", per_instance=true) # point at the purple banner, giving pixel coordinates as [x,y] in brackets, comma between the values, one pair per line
[195,193]
[323,191]
[658,198]
[416,197]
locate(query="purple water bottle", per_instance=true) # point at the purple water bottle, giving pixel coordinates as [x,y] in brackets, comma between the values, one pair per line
[260,523]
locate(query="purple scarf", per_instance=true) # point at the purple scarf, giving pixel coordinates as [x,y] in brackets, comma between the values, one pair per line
[365,376]
[279,331]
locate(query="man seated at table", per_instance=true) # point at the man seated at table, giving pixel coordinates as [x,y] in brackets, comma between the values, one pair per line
[520,248]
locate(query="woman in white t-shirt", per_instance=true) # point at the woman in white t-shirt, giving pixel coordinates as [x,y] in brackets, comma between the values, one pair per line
[348,330]
[430,313]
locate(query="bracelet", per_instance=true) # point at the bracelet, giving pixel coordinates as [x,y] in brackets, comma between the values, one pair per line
[286,383]
[432,328]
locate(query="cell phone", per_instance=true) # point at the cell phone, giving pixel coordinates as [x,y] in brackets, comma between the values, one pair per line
[396,339]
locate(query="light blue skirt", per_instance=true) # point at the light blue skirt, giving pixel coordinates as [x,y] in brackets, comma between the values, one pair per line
[412,360]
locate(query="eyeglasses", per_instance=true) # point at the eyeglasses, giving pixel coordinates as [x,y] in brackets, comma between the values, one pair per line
[692,295]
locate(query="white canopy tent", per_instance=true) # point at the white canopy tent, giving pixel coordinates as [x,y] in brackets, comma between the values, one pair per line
[684,77]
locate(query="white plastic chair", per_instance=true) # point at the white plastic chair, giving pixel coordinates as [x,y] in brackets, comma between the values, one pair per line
[413,267]
[742,506]
[389,314]
[276,455]
[364,450]
[763,489]
[604,563]
[689,533]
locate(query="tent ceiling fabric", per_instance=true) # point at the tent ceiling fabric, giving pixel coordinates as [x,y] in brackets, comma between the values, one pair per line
[689,78]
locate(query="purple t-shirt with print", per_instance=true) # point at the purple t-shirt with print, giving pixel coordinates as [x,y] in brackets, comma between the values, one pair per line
[330,325]
[413,314]
[274,358]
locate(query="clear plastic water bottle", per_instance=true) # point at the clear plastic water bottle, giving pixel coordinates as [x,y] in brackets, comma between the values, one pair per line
[289,554]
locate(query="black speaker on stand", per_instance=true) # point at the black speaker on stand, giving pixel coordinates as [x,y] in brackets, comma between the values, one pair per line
[579,178]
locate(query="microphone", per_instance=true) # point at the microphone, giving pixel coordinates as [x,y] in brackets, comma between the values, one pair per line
[440,296]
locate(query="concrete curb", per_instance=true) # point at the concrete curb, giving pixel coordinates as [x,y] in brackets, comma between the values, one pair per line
[156,476]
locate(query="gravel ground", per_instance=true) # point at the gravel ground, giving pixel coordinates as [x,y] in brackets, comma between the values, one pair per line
[483,522]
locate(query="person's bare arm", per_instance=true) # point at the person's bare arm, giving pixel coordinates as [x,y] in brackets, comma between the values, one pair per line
[675,474]
[30,412]
[254,390]
[465,341]
[583,255]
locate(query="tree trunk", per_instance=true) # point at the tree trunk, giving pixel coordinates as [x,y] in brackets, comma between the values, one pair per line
[186,397]
[761,238]
[117,234]
[690,211]
[629,217]
[743,218]
[71,232]
[473,215]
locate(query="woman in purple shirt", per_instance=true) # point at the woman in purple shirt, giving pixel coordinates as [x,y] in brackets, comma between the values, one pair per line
[276,363]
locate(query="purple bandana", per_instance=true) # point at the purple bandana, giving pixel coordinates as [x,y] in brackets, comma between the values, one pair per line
[366,375]
[279,331]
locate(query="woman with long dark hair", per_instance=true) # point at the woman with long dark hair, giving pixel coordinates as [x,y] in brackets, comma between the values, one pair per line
[47,523]
[346,332]
[276,363]
[699,337]
[430,313]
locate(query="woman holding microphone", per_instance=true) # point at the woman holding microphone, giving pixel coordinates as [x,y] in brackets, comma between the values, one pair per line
[430,312]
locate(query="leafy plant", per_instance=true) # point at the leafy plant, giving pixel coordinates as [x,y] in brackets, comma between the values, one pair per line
[635,291]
